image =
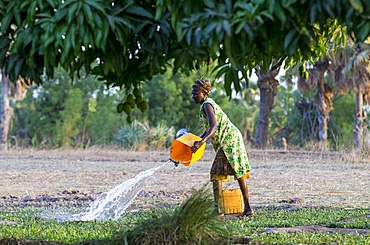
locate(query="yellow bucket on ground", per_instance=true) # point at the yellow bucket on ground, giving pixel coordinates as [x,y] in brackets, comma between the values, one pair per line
[181,149]
[232,201]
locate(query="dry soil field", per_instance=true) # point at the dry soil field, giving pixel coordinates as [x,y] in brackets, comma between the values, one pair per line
[298,179]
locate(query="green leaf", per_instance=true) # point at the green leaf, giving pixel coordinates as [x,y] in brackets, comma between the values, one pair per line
[329,10]
[105,36]
[5,22]
[210,28]
[140,11]
[236,81]
[98,37]
[51,3]
[25,4]
[268,15]
[364,31]
[31,11]
[239,27]
[228,81]
[12,60]
[313,13]
[292,48]
[18,66]
[88,13]
[60,14]
[289,37]
[4,42]
[271,6]
[280,13]
[72,12]
[43,15]
[229,50]
[249,31]
[71,34]
[2,56]
[226,27]
[17,15]
[357,4]
[98,21]
[158,11]
[209,4]
[98,5]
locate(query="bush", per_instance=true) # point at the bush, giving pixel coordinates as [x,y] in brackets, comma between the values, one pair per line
[136,134]
[130,136]
[158,137]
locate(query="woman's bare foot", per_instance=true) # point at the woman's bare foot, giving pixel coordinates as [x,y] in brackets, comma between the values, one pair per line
[220,216]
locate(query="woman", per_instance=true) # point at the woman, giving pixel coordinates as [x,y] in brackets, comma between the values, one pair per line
[231,156]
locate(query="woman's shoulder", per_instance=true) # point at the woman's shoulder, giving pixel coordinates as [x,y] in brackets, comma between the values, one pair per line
[209,100]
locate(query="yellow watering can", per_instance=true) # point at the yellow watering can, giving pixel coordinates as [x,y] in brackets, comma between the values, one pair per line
[181,149]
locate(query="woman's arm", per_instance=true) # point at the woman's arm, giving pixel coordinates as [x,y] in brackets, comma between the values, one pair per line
[211,117]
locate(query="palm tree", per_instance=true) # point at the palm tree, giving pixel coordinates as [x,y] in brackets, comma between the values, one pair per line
[352,73]
[323,98]
[349,66]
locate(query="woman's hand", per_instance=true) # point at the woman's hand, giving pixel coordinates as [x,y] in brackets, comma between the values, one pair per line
[196,146]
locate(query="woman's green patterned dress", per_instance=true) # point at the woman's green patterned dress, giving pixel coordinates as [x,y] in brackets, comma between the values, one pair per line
[228,138]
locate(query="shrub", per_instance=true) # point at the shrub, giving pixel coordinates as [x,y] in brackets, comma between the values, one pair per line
[130,136]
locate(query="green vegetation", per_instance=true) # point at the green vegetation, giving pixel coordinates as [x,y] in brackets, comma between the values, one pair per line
[193,222]
[60,113]
[135,40]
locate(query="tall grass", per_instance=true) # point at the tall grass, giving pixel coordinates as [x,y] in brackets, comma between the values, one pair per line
[194,222]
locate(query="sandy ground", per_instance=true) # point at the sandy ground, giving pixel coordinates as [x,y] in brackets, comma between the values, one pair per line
[301,178]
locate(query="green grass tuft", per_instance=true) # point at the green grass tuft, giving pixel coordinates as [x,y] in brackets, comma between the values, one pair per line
[194,222]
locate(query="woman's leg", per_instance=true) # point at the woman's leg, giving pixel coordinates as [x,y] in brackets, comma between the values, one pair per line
[244,189]
[217,193]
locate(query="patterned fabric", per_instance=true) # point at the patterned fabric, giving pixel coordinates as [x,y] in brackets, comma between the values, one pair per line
[228,138]
[221,165]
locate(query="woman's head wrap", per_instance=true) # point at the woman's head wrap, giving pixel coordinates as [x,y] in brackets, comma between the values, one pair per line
[204,85]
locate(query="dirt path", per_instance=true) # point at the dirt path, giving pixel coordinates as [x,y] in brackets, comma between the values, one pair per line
[296,178]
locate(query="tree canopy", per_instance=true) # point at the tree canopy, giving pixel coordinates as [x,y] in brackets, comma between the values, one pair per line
[129,41]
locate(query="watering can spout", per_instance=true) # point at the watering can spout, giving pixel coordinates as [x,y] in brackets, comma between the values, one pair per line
[181,150]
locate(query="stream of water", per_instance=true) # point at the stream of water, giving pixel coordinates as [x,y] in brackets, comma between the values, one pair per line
[111,204]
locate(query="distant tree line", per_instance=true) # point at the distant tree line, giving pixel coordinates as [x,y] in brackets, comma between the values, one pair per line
[81,113]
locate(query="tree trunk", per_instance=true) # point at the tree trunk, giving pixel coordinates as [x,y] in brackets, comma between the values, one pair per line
[359,121]
[321,112]
[324,102]
[6,112]
[322,119]
[267,85]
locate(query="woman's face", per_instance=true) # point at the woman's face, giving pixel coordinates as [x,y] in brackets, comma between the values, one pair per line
[197,94]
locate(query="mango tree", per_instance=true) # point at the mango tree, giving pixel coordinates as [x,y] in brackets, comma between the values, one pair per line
[128,42]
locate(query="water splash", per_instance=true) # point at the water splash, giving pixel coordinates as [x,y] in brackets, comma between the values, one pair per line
[112,204]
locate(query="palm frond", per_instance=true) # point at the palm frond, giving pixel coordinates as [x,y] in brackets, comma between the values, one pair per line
[361,59]
[306,85]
